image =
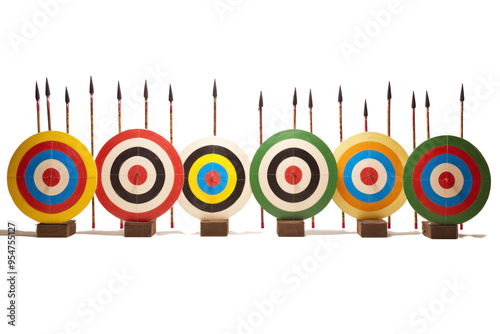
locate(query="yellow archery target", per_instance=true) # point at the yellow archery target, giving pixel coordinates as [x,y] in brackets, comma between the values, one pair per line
[370,167]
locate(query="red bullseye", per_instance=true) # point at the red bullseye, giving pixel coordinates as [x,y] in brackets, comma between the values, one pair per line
[51,177]
[369,176]
[212,178]
[446,180]
[293,175]
[137,175]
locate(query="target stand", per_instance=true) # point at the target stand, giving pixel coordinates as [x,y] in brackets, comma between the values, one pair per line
[290,228]
[435,231]
[214,228]
[61,230]
[372,228]
[139,229]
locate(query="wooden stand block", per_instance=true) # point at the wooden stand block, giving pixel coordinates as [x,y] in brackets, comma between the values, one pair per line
[372,228]
[140,229]
[435,231]
[214,228]
[61,230]
[291,228]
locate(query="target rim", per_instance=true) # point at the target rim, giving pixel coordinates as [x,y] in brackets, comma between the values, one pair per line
[480,182]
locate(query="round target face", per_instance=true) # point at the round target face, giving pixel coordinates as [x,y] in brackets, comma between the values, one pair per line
[371,174]
[140,175]
[447,180]
[52,177]
[215,179]
[293,175]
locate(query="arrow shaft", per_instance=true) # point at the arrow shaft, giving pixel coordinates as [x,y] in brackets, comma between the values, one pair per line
[428,124]
[67,117]
[340,120]
[146,114]
[119,116]
[38,114]
[215,116]
[294,117]
[48,114]
[366,123]
[389,118]
[461,119]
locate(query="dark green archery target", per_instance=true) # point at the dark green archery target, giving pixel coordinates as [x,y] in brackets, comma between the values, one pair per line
[447,180]
[293,175]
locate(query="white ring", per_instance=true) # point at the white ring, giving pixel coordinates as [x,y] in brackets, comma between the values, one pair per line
[150,179]
[281,178]
[381,180]
[63,174]
[455,171]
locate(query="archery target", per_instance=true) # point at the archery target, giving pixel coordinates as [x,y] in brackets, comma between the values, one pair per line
[52,177]
[293,175]
[140,175]
[216,182]
[371,170]
[447,180]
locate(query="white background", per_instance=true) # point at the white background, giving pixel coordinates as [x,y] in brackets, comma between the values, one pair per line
[182,283]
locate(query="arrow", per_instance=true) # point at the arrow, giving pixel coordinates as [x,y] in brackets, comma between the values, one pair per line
[146,104]
[427,105]
[413,106]
[119,97]
[462,99]
[389,97]
[365,113]
[295,108]
[313,225]
[47,95]
[340,99]
[171,99]
[91,92]
[214,94]
[66,98]
[261,104]
[37,98]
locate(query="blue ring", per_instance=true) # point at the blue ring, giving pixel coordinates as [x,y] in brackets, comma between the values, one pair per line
[30,181]
[386,163]
[426,180]
[212,166]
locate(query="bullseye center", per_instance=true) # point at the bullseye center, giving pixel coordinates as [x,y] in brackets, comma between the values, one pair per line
[212,178]
[51,177]
[293,175]
[137,175]
[369,176]
[446,180]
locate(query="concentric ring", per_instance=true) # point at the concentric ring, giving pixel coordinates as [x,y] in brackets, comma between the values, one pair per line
[293,175]
[52,177]
[447,180]
[371,169]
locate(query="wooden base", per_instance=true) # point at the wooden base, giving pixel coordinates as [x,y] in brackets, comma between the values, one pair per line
[435,231]
[61,230]
[139,229]
[291,228]
[372,228]
[214,228]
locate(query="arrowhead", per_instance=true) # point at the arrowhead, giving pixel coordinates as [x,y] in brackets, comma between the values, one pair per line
[91,88]
[427,103]
[37,93]
[462,97]
[340,99]
[261,102]
[146,89]
[47,88]
[295,97]
[310,99]
[170,95]
[389,92]
[413,104]
[66,96]
[214,93]
[365,113]
[119,92]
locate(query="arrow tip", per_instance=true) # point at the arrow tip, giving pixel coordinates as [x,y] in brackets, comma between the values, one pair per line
[261,101]
[91,88]
[295,97]
[310,99]
[413,104]
[340,98]
[170,95]
[427,103]
[146,89]
[66,96]
[118,92]
[47,88]
[365,113]
[214,93]
[462,97]
[389,92]
[37,92]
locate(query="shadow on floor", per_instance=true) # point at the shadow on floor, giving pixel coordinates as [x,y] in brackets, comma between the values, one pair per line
[328,232]
[20,233]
